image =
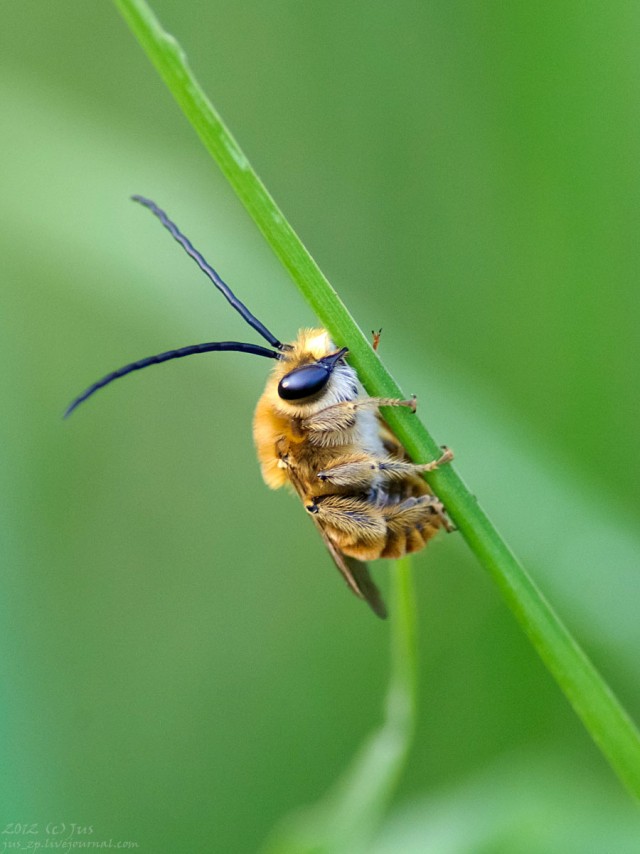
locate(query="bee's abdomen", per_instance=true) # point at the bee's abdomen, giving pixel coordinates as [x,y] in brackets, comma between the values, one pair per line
[361,487]
[393,543]
[410,539]
[408,516]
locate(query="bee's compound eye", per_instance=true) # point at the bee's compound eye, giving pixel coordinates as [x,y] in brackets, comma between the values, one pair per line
[303,382]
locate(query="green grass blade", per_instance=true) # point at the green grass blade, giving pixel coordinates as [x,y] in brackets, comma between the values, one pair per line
[601,713]
[346,819]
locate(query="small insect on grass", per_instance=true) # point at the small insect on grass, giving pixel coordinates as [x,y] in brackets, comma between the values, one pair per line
[315,433]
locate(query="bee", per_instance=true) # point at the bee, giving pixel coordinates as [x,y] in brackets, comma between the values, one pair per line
[316,433]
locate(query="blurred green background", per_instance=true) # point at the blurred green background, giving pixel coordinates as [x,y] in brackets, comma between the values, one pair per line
[181,665]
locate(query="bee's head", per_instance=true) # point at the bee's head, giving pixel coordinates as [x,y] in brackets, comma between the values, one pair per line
[306,368]
[309,380]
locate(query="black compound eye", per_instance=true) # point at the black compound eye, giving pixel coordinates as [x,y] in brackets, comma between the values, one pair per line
[303,382]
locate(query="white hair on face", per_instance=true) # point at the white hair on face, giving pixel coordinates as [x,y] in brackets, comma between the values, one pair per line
[344,386]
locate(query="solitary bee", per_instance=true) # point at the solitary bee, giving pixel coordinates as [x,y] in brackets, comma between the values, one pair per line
[314,432]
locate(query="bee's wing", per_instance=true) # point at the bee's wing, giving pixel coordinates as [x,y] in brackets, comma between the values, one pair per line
[356,574]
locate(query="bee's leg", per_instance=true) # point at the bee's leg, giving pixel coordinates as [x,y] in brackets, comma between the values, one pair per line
[398,469]
[342,416]
[353,517]
[416,512]
[412,512]
[411,524]
[357,472]
[447,524]
[282,452]
[362,470]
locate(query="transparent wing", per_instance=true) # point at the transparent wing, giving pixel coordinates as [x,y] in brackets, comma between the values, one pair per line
[354,572]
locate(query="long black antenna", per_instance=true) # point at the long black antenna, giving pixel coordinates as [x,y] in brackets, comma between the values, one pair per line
[255,349]
[208,270]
